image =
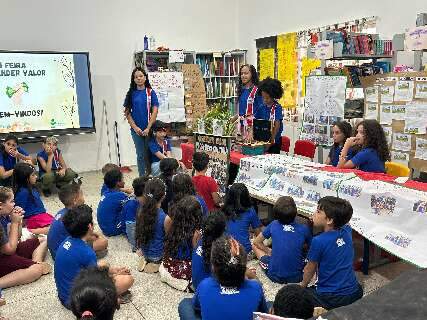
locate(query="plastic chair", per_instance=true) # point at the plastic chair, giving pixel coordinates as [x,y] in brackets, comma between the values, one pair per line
[396,169]
[286,143]
[305,148]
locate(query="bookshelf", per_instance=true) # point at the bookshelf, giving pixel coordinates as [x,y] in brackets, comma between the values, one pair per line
[152,60]
[220,72]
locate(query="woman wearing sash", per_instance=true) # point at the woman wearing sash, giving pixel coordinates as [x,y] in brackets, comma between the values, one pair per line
[141,107]
[271,90]
[249,100]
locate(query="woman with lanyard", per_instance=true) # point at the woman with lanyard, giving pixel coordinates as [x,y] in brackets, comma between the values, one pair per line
[141,108]
[271,90]
[249,100]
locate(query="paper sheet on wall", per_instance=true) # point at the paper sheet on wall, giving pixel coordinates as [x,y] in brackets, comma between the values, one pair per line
[402,142]
[266,63]
[416,118]
[287,67]
[400,157]
[385,114]
[421,149]
[416,39]
[176,56]
[307,66]
[324,49]
[371,110]
[387,93]
[404,91]
[421,90]
[398,112]
[388,131]
[371,94]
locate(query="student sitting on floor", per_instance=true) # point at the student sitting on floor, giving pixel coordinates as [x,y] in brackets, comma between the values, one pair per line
[182,186]
[213,227]
[205,186]
[168,168]
[331,255]
[226,295]
[27,197]
[71,196]
[52,167]
[10,155]
[292,301]
[109,214]
[74,254]
[131,207]
[151,223]
[20,262]
[93,295]
[285,262]
[241,215]
[182,235]
[108,167]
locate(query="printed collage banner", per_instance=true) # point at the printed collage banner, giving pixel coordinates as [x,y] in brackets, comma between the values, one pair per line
[391,216]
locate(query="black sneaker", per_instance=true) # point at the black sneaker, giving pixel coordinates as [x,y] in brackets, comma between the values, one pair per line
[78,180]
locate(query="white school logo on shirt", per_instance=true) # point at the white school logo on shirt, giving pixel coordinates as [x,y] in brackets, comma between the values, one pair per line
[340,242]
[229,290]
[199,251]
[288,228]
[102,198]
[66,245]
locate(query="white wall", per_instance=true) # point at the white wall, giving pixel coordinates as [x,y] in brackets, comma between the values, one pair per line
[111,31]
[259,19]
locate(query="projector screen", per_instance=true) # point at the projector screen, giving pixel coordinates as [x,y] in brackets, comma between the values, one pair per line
[45,93]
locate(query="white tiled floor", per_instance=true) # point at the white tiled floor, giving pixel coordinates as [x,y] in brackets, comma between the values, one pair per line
[151,298]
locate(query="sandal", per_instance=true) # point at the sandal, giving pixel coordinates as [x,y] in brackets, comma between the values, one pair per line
[125,297]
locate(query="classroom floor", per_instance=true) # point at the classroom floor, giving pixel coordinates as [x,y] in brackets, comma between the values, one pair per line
[151,299]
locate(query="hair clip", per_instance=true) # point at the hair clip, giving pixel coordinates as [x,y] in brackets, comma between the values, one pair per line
[87,314]
[150,195]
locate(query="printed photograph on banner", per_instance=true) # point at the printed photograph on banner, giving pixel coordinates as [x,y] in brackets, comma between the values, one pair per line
[322,120]
[404,91]
[402,142]
[371,110]
[388,133]
[385,114]
[398,112]
[308,128]
[334,119]
[387,93]
[421,149]
[321,129]
[400,157]
[421,90]
[308,118]
[371,94]
[420,207]
[383,205]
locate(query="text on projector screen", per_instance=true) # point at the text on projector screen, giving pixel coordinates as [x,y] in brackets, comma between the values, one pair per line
[12,69]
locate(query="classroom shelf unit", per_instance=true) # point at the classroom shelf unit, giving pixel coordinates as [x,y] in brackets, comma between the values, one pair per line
[152,60]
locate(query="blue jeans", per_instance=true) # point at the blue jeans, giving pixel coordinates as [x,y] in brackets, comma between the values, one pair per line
[186,310]
[155,169]
[130,233]
[142,153]
[331,301]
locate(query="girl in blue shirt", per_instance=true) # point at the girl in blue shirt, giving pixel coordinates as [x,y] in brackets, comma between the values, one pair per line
[141,108]
[241,215]
[271,90]
[374,152]
[341,131]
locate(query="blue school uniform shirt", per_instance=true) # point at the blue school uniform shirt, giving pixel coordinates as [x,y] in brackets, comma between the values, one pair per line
[8,162]
[55,164]
[263,112]
[57,233]
[334,155]
[31,205]
[155,147]
[287,258]
[239,228]
[109,212]
[139,107]
[368,160]
[203,204]
[154,249]
[4,221]
[104,189]
[333,251]
[218,302]
[130,208]
[72,256]
[198,269]
[243,101]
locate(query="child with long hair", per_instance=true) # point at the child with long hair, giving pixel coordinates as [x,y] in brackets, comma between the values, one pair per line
[182,185]
[341,131]
[93,295]
[151,222]
[20,262]
[182,237]
[241,216]
[374,152]
[227,294]
[271,90]
[213,227]
[168,168]
[28,198]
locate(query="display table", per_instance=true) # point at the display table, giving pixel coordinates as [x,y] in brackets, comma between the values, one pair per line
[391,216]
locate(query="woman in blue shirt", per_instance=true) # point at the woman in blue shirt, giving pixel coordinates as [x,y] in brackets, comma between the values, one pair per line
[374,150]
[271,90]
[141,108]
[341,131]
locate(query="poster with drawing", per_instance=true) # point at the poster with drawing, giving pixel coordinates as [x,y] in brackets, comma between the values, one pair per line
[421,149]
[404,90]
[400,157]
[402,142]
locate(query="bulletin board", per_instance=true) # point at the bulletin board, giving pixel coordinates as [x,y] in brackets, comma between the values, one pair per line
[399,102]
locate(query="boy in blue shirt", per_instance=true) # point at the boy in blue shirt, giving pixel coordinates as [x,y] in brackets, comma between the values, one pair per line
[331,255]
[74,254]
[109,214]
[108,167]
[71,195]
[285,262]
